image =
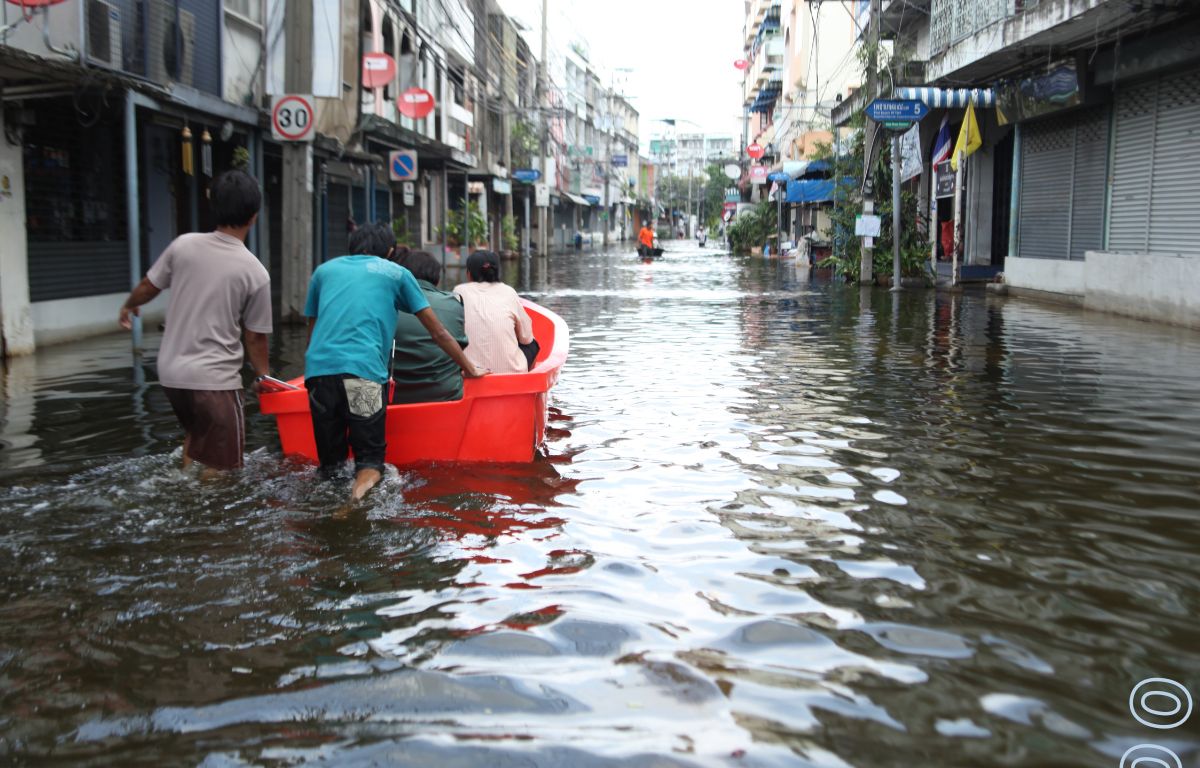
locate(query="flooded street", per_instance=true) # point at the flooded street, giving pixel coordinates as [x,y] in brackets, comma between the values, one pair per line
[780,522]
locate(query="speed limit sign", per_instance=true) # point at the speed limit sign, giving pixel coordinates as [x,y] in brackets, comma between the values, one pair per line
[292,118]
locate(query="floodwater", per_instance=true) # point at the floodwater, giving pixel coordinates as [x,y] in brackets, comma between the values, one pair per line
[779,522]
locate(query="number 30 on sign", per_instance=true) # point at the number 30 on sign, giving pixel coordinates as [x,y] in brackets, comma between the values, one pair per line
[292,118]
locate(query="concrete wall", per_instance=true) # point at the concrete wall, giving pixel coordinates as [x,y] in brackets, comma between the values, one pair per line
[56,322]
[1145,285]
[16,322]
[1154,287]
[1050,275]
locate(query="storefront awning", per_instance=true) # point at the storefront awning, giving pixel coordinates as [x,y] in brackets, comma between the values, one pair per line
[949,97]
[810,191]
[576,199]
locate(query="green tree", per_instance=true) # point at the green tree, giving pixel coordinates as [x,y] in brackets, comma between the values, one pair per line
[714,194]
[914,235]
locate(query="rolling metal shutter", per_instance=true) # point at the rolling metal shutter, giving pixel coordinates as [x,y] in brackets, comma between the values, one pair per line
[1063,164]
[1155,205]
[337,219]
[74,204]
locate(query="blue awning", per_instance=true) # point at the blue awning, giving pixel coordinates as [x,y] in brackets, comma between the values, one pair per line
[765,100]
[949,97]
[813,190]
[817,166]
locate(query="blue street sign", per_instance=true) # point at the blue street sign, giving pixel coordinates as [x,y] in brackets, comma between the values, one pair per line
[779,176]
[403,165]
[593,199]
[896,110]
[527,175]
[620,161]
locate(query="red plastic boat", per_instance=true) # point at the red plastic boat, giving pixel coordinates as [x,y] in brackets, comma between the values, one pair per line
[501,417]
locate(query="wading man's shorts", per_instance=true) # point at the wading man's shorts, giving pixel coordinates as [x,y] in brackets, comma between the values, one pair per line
[347,414]
[215,425]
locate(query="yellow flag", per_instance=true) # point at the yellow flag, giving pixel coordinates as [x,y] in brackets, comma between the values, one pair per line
[968,137]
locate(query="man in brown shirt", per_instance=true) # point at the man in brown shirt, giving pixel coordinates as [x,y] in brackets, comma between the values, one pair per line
[219,292]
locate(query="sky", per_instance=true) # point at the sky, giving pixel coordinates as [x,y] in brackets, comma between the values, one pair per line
[681,54]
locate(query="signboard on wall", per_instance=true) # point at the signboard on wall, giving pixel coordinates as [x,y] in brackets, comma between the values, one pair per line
[541,195]
[945,180]
[910,153]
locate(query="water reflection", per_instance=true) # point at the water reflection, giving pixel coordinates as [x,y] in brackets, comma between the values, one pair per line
[779,522]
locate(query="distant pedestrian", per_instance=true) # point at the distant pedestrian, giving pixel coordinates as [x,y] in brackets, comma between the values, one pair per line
[351,309]
[220,309]
[646,240]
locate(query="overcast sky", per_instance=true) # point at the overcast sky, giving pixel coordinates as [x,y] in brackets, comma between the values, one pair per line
[681,54]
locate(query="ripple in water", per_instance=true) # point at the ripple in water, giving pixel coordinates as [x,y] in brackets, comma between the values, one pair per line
[779,523]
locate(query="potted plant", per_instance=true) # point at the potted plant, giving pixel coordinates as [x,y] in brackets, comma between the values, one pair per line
[508,238]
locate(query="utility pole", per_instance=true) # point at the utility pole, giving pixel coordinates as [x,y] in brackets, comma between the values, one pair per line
[895,212]
[543,103]
[866,263]
[297,240]
[607,158]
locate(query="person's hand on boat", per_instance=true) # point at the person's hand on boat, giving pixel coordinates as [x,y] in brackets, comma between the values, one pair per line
[476,372]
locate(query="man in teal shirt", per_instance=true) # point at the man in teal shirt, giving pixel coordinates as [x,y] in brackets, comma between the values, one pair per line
[422,371]
[351,309]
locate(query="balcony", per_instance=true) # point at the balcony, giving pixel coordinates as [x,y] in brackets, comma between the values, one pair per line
[979,40]
[768,64]
[953,20]
[765,21]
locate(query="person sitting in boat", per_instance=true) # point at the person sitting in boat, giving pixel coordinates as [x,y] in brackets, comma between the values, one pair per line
[351,309]
[422,372]
[496,322]
[646,241]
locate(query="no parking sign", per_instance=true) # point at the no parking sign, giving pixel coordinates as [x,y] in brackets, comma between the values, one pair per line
[402,165]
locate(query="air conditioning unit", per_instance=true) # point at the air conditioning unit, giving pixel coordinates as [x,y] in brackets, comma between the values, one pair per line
[103,34]
[172,44]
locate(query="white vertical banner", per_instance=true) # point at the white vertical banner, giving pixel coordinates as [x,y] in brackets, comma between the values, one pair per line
[910,153]
[276,49]
[327,49]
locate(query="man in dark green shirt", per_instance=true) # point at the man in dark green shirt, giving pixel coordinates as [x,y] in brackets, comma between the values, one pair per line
[422,371]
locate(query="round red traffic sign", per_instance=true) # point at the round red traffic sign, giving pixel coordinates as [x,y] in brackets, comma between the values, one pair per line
[379,69]
[755,150]
[292,118]
[415,103]
[741,64]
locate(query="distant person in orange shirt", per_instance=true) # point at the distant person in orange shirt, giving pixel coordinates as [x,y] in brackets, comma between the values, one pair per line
[646,241]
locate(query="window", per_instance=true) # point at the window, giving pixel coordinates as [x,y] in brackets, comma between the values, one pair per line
[247,9]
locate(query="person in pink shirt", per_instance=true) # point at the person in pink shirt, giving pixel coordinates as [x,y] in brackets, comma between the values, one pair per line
[495,320]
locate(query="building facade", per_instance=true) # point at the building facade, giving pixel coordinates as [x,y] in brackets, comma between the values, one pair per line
[117,113]
[1085,182]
